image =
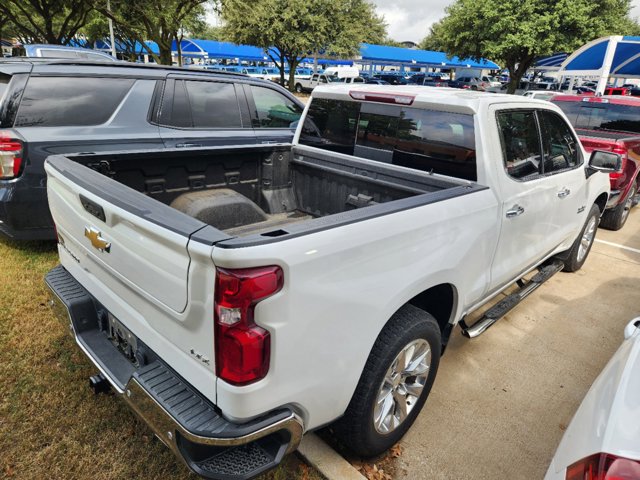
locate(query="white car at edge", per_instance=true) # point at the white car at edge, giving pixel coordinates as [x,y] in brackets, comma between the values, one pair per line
[602,441]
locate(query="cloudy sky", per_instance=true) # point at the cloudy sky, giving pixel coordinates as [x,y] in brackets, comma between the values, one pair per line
[411,19]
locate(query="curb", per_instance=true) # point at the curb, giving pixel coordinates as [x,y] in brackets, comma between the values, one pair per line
[326,460]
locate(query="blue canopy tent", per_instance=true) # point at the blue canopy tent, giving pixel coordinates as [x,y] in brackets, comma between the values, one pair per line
[213,49]
[403,57]
[550,62]
[615,56]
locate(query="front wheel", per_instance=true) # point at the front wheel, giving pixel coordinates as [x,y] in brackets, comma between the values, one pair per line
[298,88]
[395,383]
[582,246]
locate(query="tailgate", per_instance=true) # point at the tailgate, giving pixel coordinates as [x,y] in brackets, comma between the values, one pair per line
[135,239]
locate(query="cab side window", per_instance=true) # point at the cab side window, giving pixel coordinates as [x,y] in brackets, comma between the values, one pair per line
[520,143]
[559,147]
[273,109]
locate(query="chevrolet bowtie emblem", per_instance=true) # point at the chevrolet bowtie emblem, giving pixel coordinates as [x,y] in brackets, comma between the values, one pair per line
[97,241]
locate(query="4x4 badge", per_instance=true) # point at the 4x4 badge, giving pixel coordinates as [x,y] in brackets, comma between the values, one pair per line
[97,241]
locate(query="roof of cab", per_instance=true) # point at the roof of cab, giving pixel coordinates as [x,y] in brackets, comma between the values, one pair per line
[458,99]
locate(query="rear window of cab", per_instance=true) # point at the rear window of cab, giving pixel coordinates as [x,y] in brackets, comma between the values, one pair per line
[427,140]
[601,116]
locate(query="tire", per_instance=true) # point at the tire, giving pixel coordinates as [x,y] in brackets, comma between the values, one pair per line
[369,431]
[615,218]
[298,88]
[582,246]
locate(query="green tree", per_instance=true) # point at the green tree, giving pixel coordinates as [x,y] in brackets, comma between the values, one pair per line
[290,30]
[46,21]
[161,21]
[515,32]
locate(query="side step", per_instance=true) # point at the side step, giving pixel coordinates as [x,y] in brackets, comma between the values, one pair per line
[501,308]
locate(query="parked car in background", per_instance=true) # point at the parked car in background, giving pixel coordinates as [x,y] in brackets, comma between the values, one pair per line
[391,78]
[67,106]
[61,51]
[610,123]
[376,81]
[602,442]
[428,80]
[540,94]
[470,83]
[491,81]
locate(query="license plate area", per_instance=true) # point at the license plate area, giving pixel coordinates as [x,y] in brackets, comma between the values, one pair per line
[123,339]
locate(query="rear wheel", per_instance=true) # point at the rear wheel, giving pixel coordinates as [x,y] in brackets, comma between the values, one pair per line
[395,383]
[582,246]
[298,88]
[615,218]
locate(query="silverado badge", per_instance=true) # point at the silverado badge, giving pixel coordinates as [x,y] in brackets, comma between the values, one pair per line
[97,241]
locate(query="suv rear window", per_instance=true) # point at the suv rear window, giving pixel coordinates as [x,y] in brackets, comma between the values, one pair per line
[66,101]
[602,116]
[4,83]
[426,140]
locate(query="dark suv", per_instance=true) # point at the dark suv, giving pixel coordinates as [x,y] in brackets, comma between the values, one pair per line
[65,106]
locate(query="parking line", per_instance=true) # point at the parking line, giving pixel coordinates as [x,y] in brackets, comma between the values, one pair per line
[617,245]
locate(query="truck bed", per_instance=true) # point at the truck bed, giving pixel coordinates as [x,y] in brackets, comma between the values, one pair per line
[265,192]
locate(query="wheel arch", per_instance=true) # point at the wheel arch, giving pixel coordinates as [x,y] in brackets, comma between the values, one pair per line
[601,202]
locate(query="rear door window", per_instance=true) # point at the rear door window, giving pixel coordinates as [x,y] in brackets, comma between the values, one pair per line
[213,105]
[66,101]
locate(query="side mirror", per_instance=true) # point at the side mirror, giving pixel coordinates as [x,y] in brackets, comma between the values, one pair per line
[607,162]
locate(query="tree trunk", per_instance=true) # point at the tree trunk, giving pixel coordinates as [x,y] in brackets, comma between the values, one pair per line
[165,55]
[293,64]
[516,74]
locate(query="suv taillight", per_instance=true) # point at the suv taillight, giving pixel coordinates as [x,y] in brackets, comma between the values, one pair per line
[242,347]
[604,466]
[10,156]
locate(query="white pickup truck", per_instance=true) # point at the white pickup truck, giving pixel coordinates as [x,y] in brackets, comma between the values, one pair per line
[237,297]
[307,84]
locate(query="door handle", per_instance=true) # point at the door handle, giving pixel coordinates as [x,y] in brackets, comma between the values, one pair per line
[564,193]
[515,211]
[188,145]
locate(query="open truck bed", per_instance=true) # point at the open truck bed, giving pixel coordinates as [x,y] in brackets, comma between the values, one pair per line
[255,194]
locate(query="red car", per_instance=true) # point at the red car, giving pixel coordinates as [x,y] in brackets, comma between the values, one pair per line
[610,123]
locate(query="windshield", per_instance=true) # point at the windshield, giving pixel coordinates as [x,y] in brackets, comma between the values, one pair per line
[334,78]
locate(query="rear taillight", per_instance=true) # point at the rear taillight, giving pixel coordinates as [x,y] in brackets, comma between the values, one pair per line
[604,466]
[242,347]
[622,151]
[10,156]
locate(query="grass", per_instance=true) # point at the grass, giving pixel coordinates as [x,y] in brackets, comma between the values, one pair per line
[51,425]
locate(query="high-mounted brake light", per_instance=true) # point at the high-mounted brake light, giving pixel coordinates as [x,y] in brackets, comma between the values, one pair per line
[382,97]
[242,347]
[604,466]
[10,156]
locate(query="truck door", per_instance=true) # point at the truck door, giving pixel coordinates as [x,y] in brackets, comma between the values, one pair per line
[200,112]
[563,166]
[528,197]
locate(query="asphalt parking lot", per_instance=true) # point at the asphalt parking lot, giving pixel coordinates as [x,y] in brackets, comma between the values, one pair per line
[501,402]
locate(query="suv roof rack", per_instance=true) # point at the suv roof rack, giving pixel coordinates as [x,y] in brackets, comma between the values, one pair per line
[121,64]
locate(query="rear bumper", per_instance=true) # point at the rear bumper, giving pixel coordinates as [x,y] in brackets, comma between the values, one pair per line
[24,212]
[186,422]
